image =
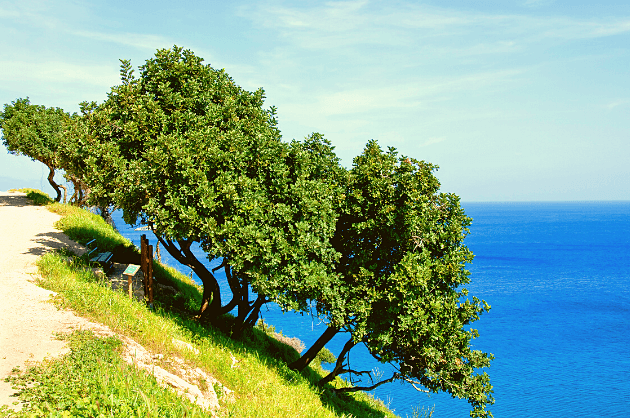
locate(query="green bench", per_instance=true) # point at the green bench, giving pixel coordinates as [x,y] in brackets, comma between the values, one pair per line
[104,259]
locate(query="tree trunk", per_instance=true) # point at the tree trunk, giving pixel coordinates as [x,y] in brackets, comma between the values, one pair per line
[301,363]
[107,216]
[81,198]
[211,299]
[244,307]
[77,195]
[210,308]
[255,312]
[65,193]
[235,287]
[51,180]
[240,299]
[84,193]
[206,308]
[337,369]
[243,321]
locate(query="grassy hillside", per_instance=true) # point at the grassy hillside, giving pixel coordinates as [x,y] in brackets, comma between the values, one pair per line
[263,385]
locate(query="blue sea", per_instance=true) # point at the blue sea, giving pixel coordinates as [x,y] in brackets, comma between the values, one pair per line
[557,277]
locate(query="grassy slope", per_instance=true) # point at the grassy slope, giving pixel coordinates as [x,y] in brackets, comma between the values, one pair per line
[263,384]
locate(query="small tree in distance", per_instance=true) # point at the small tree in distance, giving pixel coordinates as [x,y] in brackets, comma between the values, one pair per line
[36,132]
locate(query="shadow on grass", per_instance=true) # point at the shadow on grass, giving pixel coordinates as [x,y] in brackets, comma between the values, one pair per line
[35,197]
[180,306]
[275,355]
[17,201]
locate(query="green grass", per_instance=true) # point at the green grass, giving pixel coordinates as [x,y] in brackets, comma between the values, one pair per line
[93,381]
[263,384]
[37,197]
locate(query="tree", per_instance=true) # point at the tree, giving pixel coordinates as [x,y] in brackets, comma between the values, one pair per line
[71,154]
[185,150]
[401,265]
[35,131]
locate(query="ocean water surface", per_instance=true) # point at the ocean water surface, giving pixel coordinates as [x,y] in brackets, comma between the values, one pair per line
[558,279]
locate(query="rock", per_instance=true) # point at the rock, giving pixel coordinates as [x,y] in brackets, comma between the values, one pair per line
[98,272]
[207,400]
[181,345]
[165,289]
[202,393]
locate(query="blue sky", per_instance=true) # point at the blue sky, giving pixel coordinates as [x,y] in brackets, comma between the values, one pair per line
[514,100]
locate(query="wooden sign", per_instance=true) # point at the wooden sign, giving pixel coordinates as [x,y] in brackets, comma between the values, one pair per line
[131,270]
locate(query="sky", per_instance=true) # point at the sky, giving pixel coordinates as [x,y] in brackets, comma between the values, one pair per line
[514,100]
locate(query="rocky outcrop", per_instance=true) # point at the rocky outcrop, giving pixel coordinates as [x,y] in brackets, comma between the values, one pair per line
[192,383]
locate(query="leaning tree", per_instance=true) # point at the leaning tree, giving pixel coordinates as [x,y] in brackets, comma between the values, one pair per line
[184,149]
[36,132]
[398,292]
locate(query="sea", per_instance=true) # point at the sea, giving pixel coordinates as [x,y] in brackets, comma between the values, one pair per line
[557,277]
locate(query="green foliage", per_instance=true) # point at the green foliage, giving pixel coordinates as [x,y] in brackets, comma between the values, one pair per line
[36,196]
[401,267]
[325,356]
[72,152]
[35,131]
[377,249]
[184,149]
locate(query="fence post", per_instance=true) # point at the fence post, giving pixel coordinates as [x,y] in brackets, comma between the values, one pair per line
[150,273]
[143,262]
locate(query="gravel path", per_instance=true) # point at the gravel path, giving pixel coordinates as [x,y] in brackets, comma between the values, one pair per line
[27,321]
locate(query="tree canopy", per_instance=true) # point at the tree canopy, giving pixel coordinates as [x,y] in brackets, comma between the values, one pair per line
[401,267]
[50,136]
[36,132]
[184,149]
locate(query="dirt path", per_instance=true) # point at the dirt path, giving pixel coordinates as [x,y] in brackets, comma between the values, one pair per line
[27,321]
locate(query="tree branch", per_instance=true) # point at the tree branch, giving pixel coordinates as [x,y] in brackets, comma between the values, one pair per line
[338,365]
[312,352]
[220,266]
[172,249]
[367,388]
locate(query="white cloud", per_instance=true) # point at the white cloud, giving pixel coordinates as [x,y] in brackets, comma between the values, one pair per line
[334,25]
[137,40]
[8,14]
[612,28]
[618,102]
[58,72]
[432,141]
[68,17]
[405,100]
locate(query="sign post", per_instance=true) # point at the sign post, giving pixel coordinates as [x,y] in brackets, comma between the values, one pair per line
[129,272]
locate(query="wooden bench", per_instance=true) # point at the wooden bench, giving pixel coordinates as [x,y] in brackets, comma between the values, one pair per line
[103,259]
